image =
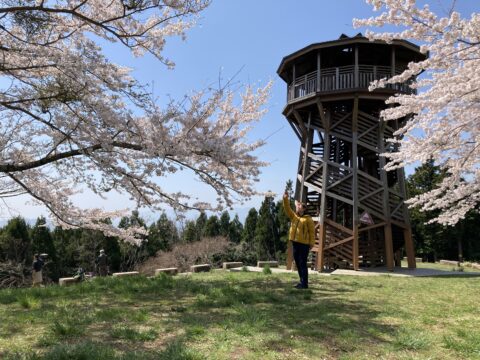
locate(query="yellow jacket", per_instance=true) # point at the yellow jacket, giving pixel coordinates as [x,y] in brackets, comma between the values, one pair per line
[302,229]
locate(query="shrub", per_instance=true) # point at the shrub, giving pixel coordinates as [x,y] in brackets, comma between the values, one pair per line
[182,256]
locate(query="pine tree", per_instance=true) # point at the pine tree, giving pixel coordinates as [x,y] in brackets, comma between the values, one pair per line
[266,231]
[225,224]
[212,227]
[248,234]
[15,243]
[235,230]
[200,226]
[190,232]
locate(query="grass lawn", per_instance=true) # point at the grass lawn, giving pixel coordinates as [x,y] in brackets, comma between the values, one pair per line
[244,315]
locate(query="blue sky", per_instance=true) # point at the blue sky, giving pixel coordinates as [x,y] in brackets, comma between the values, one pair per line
[252,35]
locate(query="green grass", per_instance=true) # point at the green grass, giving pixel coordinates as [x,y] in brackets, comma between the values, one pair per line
[244,315]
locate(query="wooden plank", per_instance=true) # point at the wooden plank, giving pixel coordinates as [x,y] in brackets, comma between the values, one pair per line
[369,177]
[338,197]
[342,119]
[338,226]
[371,226]
[355,253]
[371,194]
[321,113]
[306,160]
[295,130]
[331,246]
[339,181]
[300,123]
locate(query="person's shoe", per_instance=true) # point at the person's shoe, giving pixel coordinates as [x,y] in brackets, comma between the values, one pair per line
[300,286]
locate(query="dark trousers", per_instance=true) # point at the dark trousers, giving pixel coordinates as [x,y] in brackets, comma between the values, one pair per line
[300,254]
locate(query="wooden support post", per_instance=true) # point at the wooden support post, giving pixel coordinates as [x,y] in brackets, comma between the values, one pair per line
[356,67]
[409,248]
[355,253]
[318,71]
[389,246]
[393,61]
[306,160]
[386,206]
[323,196]
[321,244]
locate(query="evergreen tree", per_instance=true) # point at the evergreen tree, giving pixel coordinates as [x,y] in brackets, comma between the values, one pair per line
[235,230]
[15,243]
[200,226]
[266,231]
[225,224]
[162,235]
[248,234]
[42,242]
[434,240]
[190,231]
[212,227]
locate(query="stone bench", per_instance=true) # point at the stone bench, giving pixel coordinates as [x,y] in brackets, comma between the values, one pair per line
[272,264]
[128,273]
[231,265]
[309,265]
[67,281]
[169,271]
[449,262]
[200,268]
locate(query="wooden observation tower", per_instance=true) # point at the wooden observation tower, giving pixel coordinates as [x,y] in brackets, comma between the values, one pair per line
[358,208]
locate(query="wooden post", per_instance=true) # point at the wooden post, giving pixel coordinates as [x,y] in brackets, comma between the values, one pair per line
[323,196]
[306,160]
[389,256]
[409,248]
[355,182]
[393,61]
[389,246]
[356,66]
[318,70]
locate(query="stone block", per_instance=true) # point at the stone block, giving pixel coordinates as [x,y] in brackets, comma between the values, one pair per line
[169,271]
[449,262]
[128,273]
[231,265]
[272,264]
[67,281]
[200,268]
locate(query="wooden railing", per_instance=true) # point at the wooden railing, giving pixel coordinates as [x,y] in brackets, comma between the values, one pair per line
[342,78]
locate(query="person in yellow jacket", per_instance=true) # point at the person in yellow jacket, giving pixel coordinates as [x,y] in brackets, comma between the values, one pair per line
[302,236]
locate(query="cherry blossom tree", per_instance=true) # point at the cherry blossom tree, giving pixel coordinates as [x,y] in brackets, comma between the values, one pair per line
[70,118]
[443,119]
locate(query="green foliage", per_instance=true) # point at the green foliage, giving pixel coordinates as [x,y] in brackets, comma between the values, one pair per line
[266,231]
[434,241]
[266,270]
[190,232]
[224,226]
[200,226]
[235,230]
[212,227]
[248,235]
[15,242]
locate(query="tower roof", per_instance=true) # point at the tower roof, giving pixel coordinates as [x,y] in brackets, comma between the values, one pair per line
[343,40]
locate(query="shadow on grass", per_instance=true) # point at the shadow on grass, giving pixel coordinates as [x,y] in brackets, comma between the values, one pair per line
[82,319]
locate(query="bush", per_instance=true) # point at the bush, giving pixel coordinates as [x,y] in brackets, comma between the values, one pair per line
[206,251]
